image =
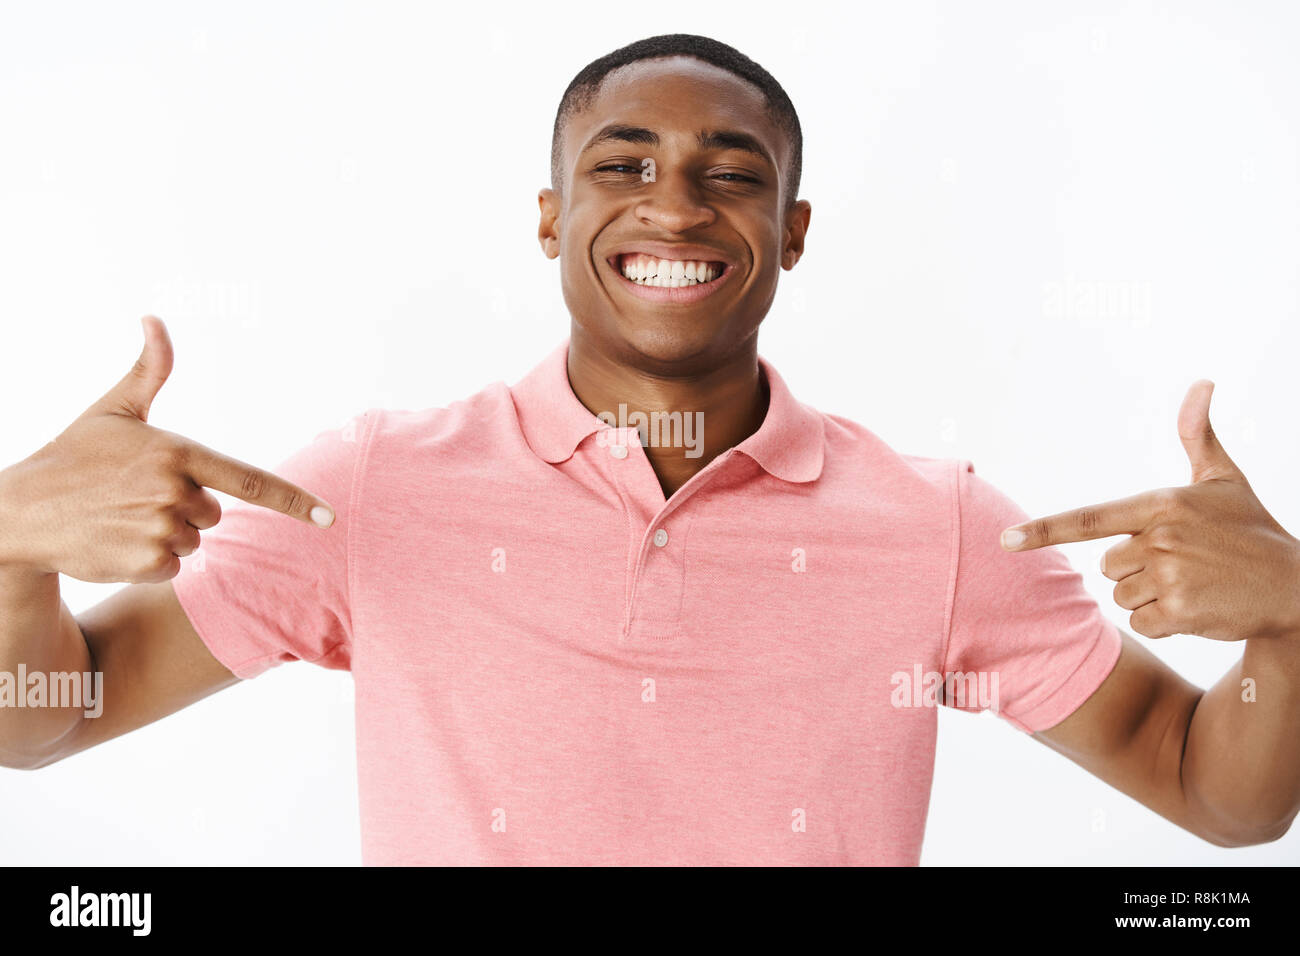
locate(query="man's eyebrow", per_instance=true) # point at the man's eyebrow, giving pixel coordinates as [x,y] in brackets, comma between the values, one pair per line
[621,133]
[732,139]
[705,139]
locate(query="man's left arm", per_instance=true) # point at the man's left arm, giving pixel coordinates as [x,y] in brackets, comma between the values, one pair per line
[1220,767]
[1204,559]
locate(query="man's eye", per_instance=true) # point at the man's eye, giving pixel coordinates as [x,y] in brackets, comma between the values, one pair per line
[726,177]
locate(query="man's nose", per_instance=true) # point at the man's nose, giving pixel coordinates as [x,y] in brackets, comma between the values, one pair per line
[674,203]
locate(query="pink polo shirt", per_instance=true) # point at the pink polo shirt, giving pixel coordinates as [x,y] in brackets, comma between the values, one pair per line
[554,665]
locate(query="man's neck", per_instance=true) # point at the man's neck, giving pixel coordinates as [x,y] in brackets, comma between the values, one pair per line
[715,410]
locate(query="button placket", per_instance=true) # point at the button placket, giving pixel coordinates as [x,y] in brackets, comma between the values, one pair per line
[654,544]
[642,498]
[657,596]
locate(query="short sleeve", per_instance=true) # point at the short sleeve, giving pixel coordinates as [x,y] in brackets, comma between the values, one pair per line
[1026,639]
[264,588]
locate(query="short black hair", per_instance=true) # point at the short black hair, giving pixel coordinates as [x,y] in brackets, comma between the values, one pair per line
[582,91]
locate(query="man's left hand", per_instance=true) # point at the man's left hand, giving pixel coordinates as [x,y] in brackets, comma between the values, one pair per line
[1206,558]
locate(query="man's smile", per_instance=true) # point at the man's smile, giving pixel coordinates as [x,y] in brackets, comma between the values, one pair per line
[670,272]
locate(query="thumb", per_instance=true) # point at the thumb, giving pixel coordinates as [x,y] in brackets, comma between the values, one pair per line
[135,392]
[1206,455]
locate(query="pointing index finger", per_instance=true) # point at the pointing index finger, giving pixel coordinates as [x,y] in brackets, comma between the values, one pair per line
[1121,516]
[257,486]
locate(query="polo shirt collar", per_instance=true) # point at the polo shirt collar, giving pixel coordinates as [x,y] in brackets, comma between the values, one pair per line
[788,445]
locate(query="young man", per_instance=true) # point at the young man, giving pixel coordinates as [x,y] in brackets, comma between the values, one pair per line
[715,647]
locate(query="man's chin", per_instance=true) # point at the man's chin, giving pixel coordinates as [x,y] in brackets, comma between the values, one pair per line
[669,344]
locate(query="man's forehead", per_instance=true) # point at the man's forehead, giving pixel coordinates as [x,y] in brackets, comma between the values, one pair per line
[674,95]
[641,77]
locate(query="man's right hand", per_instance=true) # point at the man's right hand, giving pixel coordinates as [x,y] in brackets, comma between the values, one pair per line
[113,498]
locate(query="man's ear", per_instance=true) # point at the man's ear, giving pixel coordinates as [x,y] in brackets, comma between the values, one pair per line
[796,228]
[547,233]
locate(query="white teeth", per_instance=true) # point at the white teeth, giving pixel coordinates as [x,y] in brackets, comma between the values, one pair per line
[668,273]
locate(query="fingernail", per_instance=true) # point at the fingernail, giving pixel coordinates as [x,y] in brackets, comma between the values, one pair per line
[1011,538]
[322,516]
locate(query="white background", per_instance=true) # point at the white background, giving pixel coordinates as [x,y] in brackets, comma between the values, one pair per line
[1034,226]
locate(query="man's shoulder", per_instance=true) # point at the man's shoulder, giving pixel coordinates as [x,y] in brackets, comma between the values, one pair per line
[865,460]
[869,456]
[471,426]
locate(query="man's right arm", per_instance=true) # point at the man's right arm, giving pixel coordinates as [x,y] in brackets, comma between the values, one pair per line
[139,639]
[113,499]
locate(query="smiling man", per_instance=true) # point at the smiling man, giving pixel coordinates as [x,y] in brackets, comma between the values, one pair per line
[574,641]
[672,212]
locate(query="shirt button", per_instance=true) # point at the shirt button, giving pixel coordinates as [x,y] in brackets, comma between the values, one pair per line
[618,451]
[661,538]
